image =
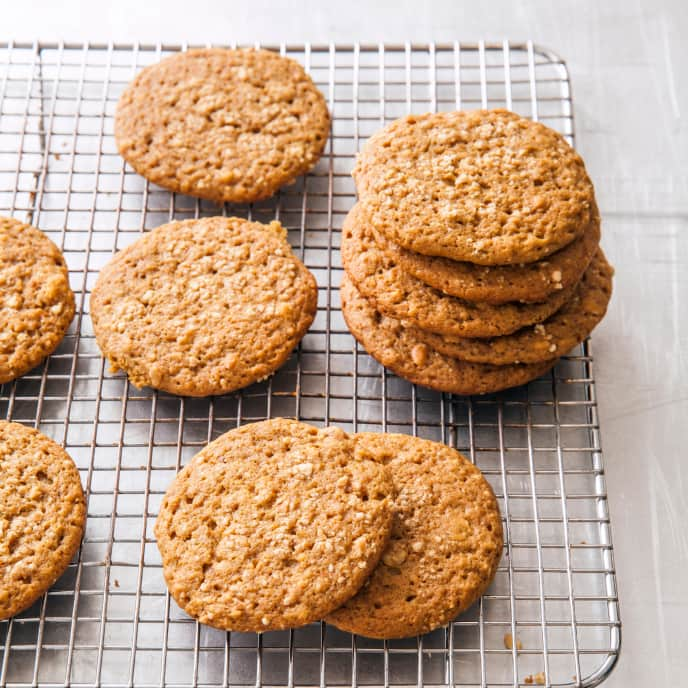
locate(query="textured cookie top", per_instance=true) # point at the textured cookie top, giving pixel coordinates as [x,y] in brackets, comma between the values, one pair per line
[399,294]
[445,546]
[484,186]
[526,282]
[557,335]
[272,526]
[400,350]
[226,125]
[36,302]
[203,306]
[42,515]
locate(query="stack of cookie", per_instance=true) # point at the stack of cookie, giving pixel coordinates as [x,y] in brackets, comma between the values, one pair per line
[472,258]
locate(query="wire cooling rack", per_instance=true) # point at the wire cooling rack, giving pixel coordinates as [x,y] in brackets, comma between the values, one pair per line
[551,615]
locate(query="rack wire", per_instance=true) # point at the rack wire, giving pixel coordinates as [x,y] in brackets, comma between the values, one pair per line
[109,620]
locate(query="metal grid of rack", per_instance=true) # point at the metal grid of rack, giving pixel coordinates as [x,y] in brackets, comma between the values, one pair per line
[109,620]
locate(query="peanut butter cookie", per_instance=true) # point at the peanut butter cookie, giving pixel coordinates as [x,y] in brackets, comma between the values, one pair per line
[36,302]
[483,186]
[273,525]
[42,515]
[204,306]
[226,125]
[445,546]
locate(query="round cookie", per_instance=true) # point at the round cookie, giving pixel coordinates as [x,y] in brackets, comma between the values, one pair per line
[42,515]
[226,125]
[398,294]
[527,282]
[557,335]
[272,526]
[445,546]
[485,186]
[36,302]
[204,306]
[398,349]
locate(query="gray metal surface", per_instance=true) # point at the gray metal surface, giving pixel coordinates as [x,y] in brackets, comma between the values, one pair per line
[109,620]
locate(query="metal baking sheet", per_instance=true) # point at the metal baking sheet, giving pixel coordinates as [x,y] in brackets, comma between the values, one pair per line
[109,620]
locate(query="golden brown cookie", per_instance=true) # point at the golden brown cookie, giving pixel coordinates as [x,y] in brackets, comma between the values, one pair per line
[36,302]
[42,515]
[527,282]
[400,295]
[445,546]
[203,306]
[555,336]
[273,525]
[485,186]
[226,125]
[398,349]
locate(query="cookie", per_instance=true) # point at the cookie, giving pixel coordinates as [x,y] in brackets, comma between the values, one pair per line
[203,306]
[226,125]
[400,295]
[272,526]
[485,186]
[445,546]
[36,302]
[396,348]
[555,336]
[42,515]
[527,282]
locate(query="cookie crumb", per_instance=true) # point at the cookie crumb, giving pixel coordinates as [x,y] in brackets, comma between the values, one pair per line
[537,679]
[509,642]
[305,468]
[395,555]
[419,354]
